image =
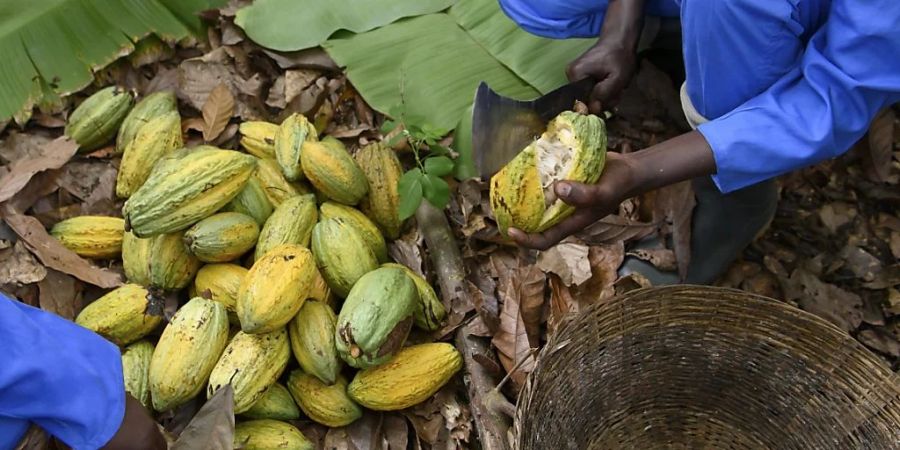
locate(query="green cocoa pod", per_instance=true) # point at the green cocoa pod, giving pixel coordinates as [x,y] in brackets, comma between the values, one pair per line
[252,201]
[136,370]
[154,140]
[95,121]
[291,223]
[357,219]
[276,403]
[150,107]
[312,341]
[276,187]
[250,363]
[430,312]
[327,405]
[332,171]
[171,264]
[383,172]
[222,237]
[342,254]
[293,132]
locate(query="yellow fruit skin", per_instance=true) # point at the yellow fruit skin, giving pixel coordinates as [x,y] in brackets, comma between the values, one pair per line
[411,377]
[342,254]
[222,237]
[366,227]
[332,171]
[258,138]
[171,264]
[327,405]
[276,403]
[136,370]
[383,172]
[135,259]
[221,282]
[251,363]
[91,236]
[186,353]
[320,290]
[293,132]
[312,341]
[266,434]
[154,140]
[150,107]
[185,187]
[121,315]
[277,188]
[291,223]
[275,288]
[252,201]
[95,121]
[430,312]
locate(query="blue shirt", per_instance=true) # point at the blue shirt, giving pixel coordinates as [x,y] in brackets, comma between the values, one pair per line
[786,83]
[58,375]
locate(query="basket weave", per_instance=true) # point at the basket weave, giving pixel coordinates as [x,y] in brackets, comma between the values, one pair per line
[691,367]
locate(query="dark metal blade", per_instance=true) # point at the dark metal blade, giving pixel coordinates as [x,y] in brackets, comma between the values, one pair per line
[502,127]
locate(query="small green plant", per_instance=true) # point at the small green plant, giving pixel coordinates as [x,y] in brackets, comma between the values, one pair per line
[433,161]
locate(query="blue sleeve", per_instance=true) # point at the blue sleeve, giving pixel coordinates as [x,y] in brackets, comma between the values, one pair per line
[563,19]
[849,71]
[61,376]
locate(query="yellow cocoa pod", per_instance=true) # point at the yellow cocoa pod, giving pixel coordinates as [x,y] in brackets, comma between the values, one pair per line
[332,171]
[123,315]
[222,237]
[251,363]
[357,219]
[430,312]
[293,132]
[383,172]
[95,121]
[154,140]
[171,264]
[150,107]
[572,148]
[186,353]
[185,187]
[342,254]
[275,288]
[327,405]
[276,187]
[136,370]
[275,403]
[136,259]
[91,236]
[409,378]
[219,282]
[258,138]
[267,434]
[252,201]
[291,223]
[312,341]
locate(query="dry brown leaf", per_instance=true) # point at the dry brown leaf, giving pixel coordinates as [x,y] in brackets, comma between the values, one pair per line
[396,432]
[562,304]
[486,305]
[457,418]
[605,261]
[569,261]
[337,439]
[54,156]
[895,244]
[49,121]
[213,426]
[408,250]
[53,254]
[313,58]
[197,77]
[276,94]
[838,306]
[893,302]
[18,146]
[511,339]
[837,214]
[217,111]
[19,266]
[677,201]
[427,421]
[41,185]
[881,340]
[631,282]
[611,229]
[862,263]
[35,439]
[877,159]
[193,123]
[365,432]
[531,285]
[94,182]
[60,294]
[662,258]
[889,277]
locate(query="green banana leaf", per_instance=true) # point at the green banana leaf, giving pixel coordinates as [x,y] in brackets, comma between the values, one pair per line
[50,48]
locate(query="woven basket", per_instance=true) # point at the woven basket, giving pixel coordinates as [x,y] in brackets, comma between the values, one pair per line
[691,367]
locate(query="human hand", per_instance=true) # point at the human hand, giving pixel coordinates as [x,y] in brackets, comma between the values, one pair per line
[592,203]
[612,65]
[138,430]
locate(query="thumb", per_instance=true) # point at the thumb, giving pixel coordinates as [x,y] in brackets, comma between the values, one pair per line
[578,194]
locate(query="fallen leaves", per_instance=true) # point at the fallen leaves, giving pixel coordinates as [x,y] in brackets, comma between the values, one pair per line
[59,294]
[569,261]
[513,341]
[53,156]
[217,111]
[18,266]
[212,428]
[838,306]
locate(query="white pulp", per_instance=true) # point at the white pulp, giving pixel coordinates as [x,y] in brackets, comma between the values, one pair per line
[554,161]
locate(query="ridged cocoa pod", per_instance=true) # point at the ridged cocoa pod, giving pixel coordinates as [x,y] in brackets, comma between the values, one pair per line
[135,258]
[332,171]
[185,187]
[222,237]
[275,288]
[147,109]
[411,377]
[320,290]
[383,171]
[354,217]
[219,282]
[91,236]
[293,132]
[275,403]
[95,121]
[252,201]
[276,187]
[266,434]
[342,254]
[186,353]
[327,405]
[258,138]
[123,315]
[154,140]
[251,363]
[136,370]
[291,223]
[171,264]
[430,312]
[312,341]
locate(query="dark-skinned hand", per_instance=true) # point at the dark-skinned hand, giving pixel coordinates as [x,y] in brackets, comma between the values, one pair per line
[611,65]
[138,430]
